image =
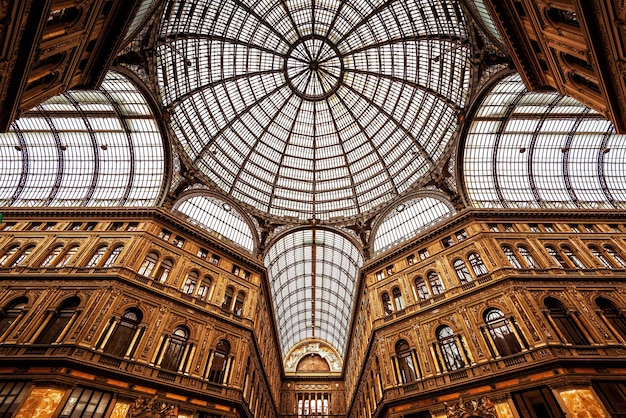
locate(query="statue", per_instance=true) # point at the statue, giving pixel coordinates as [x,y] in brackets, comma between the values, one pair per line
[143,408]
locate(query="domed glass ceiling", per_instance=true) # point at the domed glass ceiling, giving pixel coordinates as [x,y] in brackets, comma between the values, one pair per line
[313,108]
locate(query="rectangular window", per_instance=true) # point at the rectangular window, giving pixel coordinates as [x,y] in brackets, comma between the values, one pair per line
[447,242]
[548,227]
[508,227]
[179,241]
[423,254]
[461,235]
[215,259]
[12,394]
[75,226]
[235,270]
[165,235]
[574,228]
[246,274]
[390,270]
[116,226]
[613,396]
[90,226]
[534,227]
[49,226]
[410,260]
[203,253]
[589,228]
[493,227]
[35,226]
[8,226]
[86,403]
[615,228]
[132,226]
[380,275]
[537,403]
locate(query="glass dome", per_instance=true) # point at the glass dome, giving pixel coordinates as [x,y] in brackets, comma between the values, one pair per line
[314,109]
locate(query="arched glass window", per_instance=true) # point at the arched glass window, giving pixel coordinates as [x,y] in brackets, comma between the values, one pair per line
[512,257]
[599,255]
[9,254]
[190,283]
[148,264]
[501,333]
[407,371]
[612,315]
[163,271]
[572,257]
[422,290]
[218,362]
[527,256]
[175,349]
[565,322]
[238,308]
[435,283]
[461,271]
[54,329]
[387,306]
[113,256]
[615,255]
[22,256]
[449,349]
[228,298]
[398,300]
[97,256]
[204,287]
[52,256]
[67,256]
[118,344]
[556,256]
[477,264]
[11,313]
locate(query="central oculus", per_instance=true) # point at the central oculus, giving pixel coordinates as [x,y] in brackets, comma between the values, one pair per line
[313,67]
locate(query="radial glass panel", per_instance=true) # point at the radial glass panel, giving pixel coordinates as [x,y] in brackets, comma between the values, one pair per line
[317,108]
[84,148]
[313,275]
[542,150]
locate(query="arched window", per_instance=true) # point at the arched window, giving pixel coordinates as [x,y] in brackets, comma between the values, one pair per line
[449,348]
[57,323]
[22,256]
[65,259]
[477,264]
[612,315]
[572,257]
[512,257]
[52,256]
[461,271]
[615,255]
[527,256]
[422,290]
[163,271]
[204,288]
[228,298]
[556,256]
[387,306]
[12,313]
[398,300]
[599,255]
[501,333]
[565,322]
[407,370]
[97,256]
[238,308]
[124,333]
[148,264]
[218,363]
[9,254]
[174,349]
[435,283]
[190,283]
[113,256]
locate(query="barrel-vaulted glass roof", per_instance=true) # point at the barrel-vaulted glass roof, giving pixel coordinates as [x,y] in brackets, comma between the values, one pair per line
[314,108]
[84,148]
[313,275]
[541,150]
